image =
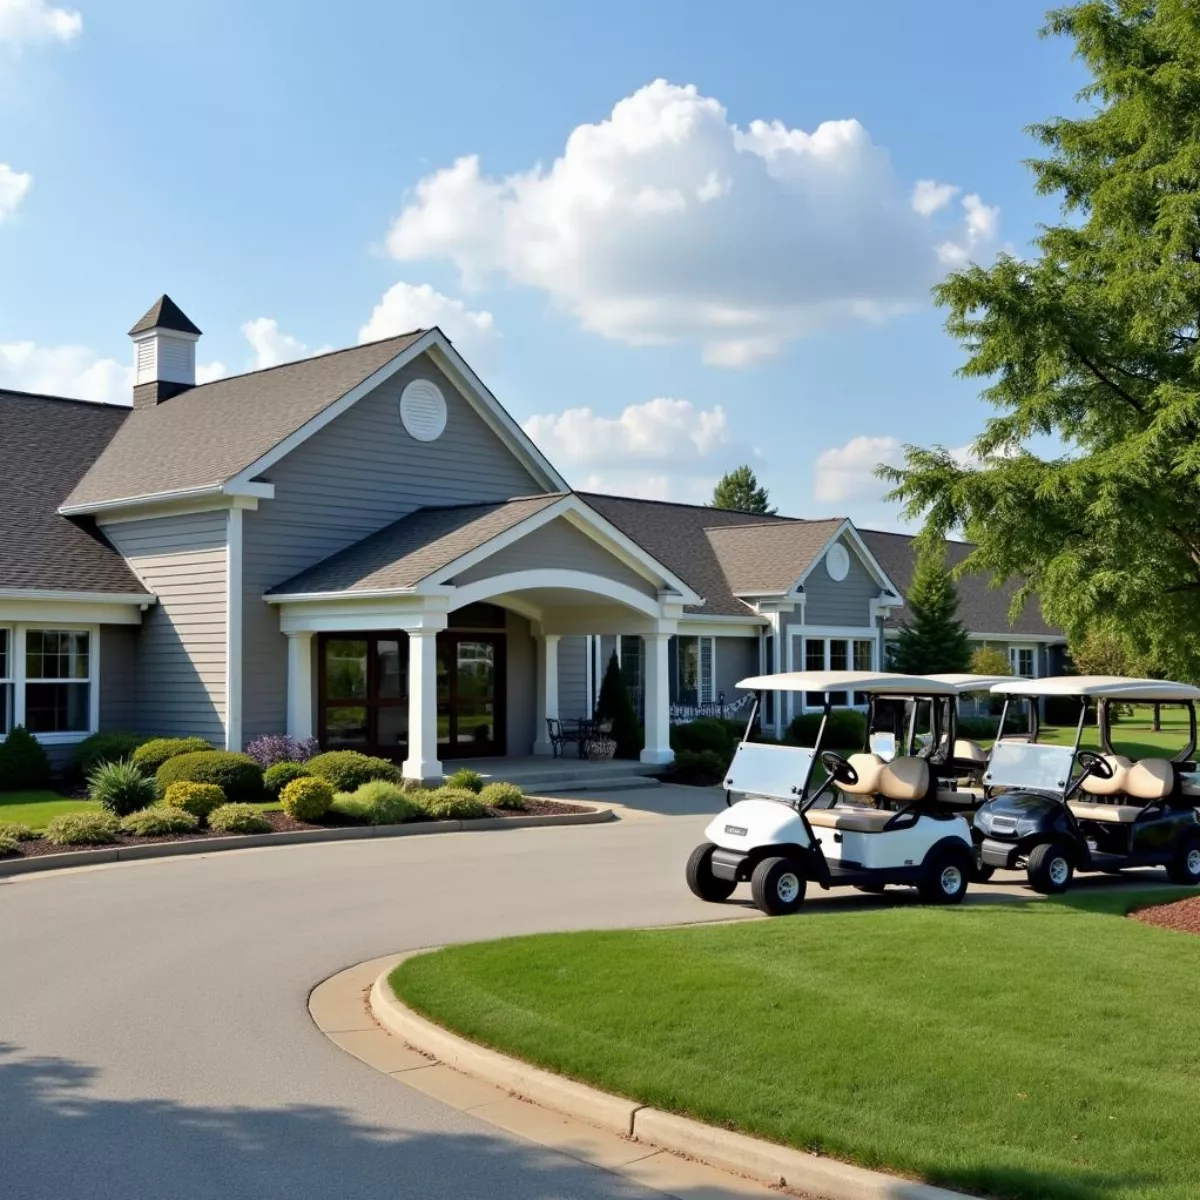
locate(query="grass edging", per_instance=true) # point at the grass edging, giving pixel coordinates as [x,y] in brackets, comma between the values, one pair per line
[766,1162]
[83,858]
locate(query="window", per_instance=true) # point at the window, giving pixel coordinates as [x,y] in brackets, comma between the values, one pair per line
[364,692]
[632,671]
[834,654]
[6,685]
[1021,659]
[695,670]
[48,681]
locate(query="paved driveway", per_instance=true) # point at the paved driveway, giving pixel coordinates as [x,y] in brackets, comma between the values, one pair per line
[156,1041]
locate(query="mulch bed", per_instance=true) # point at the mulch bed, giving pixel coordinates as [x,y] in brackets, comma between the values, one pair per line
[1181,915]
[280,823]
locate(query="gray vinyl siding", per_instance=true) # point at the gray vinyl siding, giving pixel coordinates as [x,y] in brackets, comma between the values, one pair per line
[572,678]
[520,687]
[181,647]
[736,658]
[353,477]
[118,677]
[561,546]
[847,603]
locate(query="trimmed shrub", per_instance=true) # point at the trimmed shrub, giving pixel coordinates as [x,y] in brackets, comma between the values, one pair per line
[704,733]
[152,754]
[615,704]
[197,799]
[8,845]
[307,799]
[466,780]
[348,770]
[277,777]
[159,821]
[120,787]
[702,768]
[847,730]
[979,729]
[238,818]
[83,829]
[106,747]
[16,831]
[453,804]
[23,762]
[503,795]
[378,803]
[274,748]
[237,775]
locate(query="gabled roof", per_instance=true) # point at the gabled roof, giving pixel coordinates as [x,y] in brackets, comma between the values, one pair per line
[982,608]
[46,444]
[164,313]
[208,434]
[769,559]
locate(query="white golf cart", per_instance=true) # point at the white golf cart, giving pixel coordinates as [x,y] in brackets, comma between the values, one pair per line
[862,821]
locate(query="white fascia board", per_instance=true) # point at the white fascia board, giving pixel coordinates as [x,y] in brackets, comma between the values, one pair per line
[1019,638]
[700,626]
[349,594]
[198,499]
[138,598]
[869,560]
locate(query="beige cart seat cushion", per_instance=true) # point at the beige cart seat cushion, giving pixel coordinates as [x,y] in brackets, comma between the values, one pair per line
[860,820]
[867,768]
[1095,786]
[1150,779]
[904,779]
[966,750]
[1124,814]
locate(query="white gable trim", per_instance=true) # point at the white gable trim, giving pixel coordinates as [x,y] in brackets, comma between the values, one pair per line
[846,529]
[465,381]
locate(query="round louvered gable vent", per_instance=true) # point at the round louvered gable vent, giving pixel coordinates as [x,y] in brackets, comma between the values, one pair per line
[423,410]
[837,562]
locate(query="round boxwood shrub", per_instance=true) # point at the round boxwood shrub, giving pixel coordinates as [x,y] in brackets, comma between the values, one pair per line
[307,799]
[238,818]
[121,787]
[111,746]
[16,832]
[83,829]
[704,733]
[276,778]
[199,799]
[348,770]
[503,795]
[23,762]
[237,775]
[453,804]
[159,821]
[846,730]
[466,780]
[8,845]
[382,803]
[152,754]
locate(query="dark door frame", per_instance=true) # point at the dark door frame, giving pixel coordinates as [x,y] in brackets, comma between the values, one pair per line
[498,745]
[371,701]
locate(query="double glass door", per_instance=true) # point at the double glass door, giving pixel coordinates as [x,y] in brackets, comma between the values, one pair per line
[470,689]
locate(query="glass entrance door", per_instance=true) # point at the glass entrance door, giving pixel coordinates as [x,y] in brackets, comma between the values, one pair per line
[363,693]
[470,694]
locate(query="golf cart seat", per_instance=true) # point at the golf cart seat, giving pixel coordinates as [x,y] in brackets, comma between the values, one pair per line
[904,779]
[1095,786]
[859,820]
[967,751]
[1122,814]
[1150,779]
[867,767]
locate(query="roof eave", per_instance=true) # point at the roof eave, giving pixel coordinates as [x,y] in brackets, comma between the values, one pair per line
[248,489]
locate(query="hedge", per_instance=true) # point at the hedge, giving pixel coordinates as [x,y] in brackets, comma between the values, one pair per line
[152,754]
[846,730]
[348,770]
[237,775]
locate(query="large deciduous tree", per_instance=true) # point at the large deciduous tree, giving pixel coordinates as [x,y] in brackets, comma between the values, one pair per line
[932,640]
[738,490]
[1094,344]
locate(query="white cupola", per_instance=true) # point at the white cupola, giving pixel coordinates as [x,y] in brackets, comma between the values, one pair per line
[164,353]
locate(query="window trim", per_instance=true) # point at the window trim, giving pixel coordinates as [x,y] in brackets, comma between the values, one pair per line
[1015,650]
[700,680]
[16,636]
[797,646]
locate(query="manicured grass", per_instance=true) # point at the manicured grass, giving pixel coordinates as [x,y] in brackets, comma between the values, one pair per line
[1028,1050]
[36,809]
[1133,736]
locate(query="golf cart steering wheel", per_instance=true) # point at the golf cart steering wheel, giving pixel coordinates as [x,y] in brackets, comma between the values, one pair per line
[839,768]
[1094,764]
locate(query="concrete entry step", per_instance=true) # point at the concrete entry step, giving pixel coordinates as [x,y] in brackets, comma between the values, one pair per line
[541,775]
[614,783]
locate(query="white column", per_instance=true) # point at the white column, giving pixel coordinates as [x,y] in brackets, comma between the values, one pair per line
[547,690]
[299,685]
[422,762]
[658,701]
[780,632]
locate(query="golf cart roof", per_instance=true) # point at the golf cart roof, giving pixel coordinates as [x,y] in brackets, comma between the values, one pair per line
[1112,687]
[875,682]
[972,683]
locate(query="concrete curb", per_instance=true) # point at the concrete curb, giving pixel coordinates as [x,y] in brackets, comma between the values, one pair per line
[88,858]
[766,1162]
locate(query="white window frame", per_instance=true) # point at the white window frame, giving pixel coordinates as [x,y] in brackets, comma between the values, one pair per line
[16,676]
[7,677]
[1015,650]
[798,639]
[703,684]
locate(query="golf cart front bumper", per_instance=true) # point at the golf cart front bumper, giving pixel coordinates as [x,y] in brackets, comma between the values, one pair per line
[728,864]
[998,854]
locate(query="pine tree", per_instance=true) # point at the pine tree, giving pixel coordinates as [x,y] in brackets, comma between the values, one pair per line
[933,639]
[615,704]
[738,491]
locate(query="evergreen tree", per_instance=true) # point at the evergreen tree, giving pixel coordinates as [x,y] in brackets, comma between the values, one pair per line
[933,639]
[738,491]
[615,704]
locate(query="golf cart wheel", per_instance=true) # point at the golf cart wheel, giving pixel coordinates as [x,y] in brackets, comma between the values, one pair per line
[946,877]
[1049,868]
[981,872]
[777,886]
[700,877]
[1185,866]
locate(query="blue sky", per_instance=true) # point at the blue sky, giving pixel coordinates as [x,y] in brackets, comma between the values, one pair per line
[656,286]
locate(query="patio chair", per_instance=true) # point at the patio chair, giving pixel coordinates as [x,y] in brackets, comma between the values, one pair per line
[560,737]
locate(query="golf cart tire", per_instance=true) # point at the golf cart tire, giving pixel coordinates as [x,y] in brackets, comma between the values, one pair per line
[947,876]
[765,885]
[1184,868]
[700,877]
[981,872]
[1045,876]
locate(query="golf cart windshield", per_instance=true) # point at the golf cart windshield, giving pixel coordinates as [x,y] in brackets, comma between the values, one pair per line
[1029,765]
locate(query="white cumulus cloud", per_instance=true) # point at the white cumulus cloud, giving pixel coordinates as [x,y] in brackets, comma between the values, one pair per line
[272,346]
[666,222]
[928,196]
[846,474]
[65,371]
[681,489]
[14,185]
[406,306]
[27,21]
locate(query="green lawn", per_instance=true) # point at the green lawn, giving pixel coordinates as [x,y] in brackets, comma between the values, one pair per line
[37,809]
[1133,736]
[1034,1050]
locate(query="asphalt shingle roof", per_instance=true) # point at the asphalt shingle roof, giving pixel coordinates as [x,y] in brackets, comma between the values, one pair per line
[46,444]
[768,559]
[982,608]
[403,553]
[164,313]
[207,434]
